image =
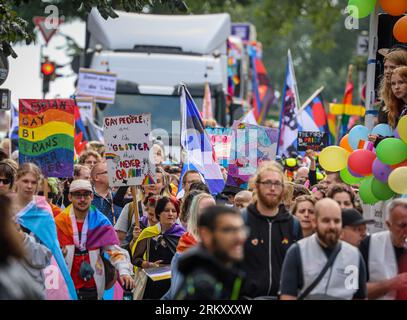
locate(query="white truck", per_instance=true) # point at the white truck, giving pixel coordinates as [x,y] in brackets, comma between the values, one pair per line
[152,55]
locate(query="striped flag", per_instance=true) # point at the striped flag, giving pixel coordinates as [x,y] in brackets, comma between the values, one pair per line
[313,116]
[38,218]
[289,112]
[195,141]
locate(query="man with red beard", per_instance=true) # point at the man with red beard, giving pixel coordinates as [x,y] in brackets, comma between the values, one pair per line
[272,230]
[322,266]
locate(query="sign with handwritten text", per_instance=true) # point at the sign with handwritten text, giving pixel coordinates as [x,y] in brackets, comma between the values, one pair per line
[312,140]
[46,135]
[128,146]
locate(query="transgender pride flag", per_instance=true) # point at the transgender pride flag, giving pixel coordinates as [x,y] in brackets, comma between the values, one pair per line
[38,218]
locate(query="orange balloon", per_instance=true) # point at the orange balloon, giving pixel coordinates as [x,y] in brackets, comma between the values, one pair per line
[394,7]
[400,30]
[344,143]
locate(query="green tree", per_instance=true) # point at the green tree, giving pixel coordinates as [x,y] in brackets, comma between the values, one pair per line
[16,15]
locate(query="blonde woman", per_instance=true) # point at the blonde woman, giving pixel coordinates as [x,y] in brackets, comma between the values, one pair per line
[189,239]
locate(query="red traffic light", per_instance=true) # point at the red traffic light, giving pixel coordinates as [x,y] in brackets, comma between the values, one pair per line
[47,68]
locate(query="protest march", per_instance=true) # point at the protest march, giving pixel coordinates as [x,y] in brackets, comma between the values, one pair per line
[151,179]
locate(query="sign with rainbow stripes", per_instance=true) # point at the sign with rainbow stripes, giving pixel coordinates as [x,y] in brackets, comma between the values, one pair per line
[129,162]
[46,135]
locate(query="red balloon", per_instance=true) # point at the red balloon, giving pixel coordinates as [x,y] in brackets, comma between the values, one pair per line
[361,161]
[394,7]
[400,30]
[398,165]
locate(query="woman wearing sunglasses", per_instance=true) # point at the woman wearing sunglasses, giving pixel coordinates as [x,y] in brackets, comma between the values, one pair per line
[7,175]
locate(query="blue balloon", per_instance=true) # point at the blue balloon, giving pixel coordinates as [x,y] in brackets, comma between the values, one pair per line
[383,129]
[356,134]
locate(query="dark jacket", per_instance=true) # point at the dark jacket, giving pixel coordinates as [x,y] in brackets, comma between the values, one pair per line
[265,249]
[206,278]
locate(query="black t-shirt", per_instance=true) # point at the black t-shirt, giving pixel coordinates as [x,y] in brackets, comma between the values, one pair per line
[364,250]
[292,277]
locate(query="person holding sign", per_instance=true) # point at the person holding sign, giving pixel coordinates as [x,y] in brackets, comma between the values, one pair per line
[104,199]
[157,245]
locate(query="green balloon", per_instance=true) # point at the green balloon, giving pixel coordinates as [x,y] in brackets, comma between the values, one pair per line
[381,190]
[365,191]
[363,8]
[391,151]
[348,178]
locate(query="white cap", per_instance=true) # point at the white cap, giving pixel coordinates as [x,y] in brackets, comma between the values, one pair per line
[80,184]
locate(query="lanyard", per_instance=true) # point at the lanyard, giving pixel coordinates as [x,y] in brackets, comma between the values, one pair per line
[84,234]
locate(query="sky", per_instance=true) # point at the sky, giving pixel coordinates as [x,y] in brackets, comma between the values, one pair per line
[24,79]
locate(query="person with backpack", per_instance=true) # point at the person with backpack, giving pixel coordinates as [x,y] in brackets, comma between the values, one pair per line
[272,231]
[321,266]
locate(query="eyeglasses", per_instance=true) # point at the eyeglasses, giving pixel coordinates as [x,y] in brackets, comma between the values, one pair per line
[5,181]
[78,195]
[269,183]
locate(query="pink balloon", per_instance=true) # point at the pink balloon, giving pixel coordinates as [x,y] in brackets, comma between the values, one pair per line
[360,161]
[381,171]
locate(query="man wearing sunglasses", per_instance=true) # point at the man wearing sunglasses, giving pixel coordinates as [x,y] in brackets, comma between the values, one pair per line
[85,235]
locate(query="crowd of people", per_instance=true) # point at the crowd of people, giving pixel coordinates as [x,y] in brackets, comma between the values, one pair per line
[291,235]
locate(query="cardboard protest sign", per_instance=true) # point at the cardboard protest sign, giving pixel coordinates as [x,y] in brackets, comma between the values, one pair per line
[221,141]
[128,150]
[86,106]
[251,145]
[98,84]
[314,140]
[46,135]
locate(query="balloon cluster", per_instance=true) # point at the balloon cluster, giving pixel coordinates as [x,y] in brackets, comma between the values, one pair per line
[392,7]
[381,173]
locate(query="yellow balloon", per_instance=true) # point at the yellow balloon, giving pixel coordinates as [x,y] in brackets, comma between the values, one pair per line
[333,158]
[402,128]
[398,180]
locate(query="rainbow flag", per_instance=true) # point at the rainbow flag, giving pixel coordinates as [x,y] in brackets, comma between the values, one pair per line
[46,135]
[100,231]
[148,180]
[38,218]
[332,128]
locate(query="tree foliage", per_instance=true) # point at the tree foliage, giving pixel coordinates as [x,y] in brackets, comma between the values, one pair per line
[16,15]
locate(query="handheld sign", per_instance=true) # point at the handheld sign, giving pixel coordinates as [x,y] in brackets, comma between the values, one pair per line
[314,140]
[46,135]
[86,106]
[221,139]
[98,84]
[128,150]
[251,145]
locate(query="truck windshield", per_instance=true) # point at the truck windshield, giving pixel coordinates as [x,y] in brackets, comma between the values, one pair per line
[163,109]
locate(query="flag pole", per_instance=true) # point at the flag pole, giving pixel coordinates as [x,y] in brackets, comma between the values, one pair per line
[312,97]
[371,68]
[135,206]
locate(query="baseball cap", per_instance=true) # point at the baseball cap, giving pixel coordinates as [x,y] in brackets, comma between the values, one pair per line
[352,217]
[80,184]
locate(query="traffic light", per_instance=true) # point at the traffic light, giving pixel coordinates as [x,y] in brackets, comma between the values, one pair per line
[48,72]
